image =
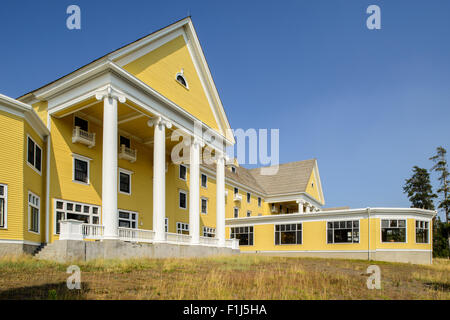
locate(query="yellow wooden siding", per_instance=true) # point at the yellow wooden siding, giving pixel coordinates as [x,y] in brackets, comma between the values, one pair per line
[158,69]
[11,173]
[34,182]
[312,187]
[41,108]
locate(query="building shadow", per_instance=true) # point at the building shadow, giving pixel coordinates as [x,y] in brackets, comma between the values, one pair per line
[49,291]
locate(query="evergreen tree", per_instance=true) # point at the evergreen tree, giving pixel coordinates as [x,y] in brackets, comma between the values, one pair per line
[419,189]
[441,167]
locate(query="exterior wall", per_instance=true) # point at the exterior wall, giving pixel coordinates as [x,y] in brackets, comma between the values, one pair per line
[314,242]
[312,187]
[35,182]
[158,69]
[12,165]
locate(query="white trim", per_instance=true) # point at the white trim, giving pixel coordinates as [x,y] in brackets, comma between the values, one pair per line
[428,229]
[201,180]
[129,173]
[38,207]
[32,243]
[186,200]
[201,205]
[338,251]
[181,74]
[288,244]
[181,226]
[85,159]
[36,145]
[397,219]
[130,219]
[179,172]
[65,211]
[332,221]
[5,197]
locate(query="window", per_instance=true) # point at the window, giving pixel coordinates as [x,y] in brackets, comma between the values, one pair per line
[249,213]
[236,191]
[343,231]
[288,234]
[236,212]
[244,234]
[83,124]
[209,232]
[233,169]
[422,232]
[33,212]
[393,230]
[249,197]
[77,211]
[181,80]
[204,205]
[81,169]
[34,157]
[182,173]
[204,180]
[166,224]
[259,201]
[281,208]
[3,205]
[182,199]
[128,219]
[183,228]
[124,182]
[125,141]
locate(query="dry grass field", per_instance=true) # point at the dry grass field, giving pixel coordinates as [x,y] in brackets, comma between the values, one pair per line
[235,277]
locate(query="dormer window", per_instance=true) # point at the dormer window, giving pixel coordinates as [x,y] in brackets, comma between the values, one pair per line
[233,169]
[181,79]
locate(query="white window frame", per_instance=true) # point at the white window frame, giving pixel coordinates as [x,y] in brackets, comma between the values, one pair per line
[346,220]
[208,230]
[35,206]
[85,159]
[391,218]
[253,234]
[249,197]
[415,229]
[186,194]
[130,219]
[201,205]
[179,172]
[129,173]
[181,74]
[74,203]
[36,145]
[182,226]
[201,181]
[288,244]
[234,212]
[5,211]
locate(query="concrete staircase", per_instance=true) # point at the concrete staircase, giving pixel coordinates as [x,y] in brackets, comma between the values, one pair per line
[38,249]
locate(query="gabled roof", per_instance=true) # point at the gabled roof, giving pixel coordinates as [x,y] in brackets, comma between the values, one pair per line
[291,177]
[128,50]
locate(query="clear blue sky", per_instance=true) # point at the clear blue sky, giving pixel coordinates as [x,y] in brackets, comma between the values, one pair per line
[368,105]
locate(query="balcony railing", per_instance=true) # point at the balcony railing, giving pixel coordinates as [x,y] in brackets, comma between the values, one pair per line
[237,197]
[127,153]
[136,235]
[77,230]
[84,137]
[92,231]
[178,238]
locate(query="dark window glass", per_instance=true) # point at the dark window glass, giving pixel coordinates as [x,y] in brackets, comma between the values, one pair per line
[244,234]
[81,171]
[343,232]
[182,200]
[38,158]
[182,172]
[259,202]
[124,182]
[422,232]
[288,234]
[59,217]
[248,197]
[204,180]
[30,151]
[181,80]
[125,141]
[83,124]
[393,230]
[204,206]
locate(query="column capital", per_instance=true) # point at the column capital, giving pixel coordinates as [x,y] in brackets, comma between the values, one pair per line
[110,92]
[301,201]
[159,121]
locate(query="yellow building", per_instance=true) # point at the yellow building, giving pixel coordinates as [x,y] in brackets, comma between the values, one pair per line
[111,161]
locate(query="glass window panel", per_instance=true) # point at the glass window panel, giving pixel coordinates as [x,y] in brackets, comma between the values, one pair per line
[384,223]
[30,151]
[393,223]
[401,223]
[38,158]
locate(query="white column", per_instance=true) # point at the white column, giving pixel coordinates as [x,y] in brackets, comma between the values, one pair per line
[159,176]
[300,206]
[194,190]
[220,200]
[308,207]
[110,218]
